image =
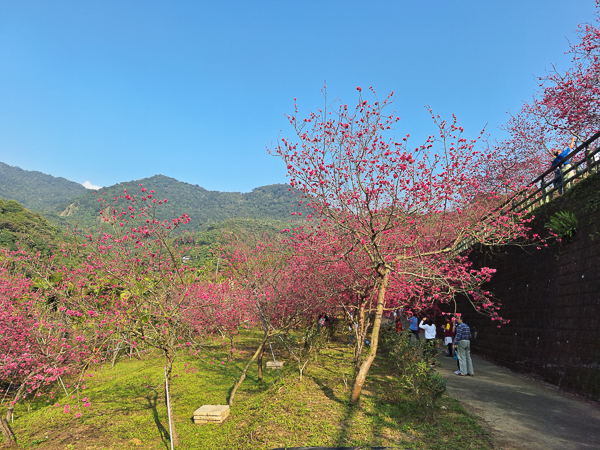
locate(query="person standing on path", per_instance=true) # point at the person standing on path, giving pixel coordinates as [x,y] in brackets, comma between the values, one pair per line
[414,327]
[429,350]
[449,335]
[462,345]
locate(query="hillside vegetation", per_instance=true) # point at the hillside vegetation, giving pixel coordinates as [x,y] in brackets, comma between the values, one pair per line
[36,190]
[128,411]
[267,203]
[37,209]
[67,203]
[22,228]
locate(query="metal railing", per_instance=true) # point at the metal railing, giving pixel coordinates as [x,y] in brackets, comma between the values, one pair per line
[584,160]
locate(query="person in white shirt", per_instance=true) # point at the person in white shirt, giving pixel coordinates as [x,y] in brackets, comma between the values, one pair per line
[427,325]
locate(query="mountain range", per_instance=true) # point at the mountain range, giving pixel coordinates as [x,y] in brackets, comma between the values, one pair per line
[64,201]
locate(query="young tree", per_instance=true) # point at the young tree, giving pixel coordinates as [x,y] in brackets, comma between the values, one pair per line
[404,212]
[261,272]
[129,279]
[38,345]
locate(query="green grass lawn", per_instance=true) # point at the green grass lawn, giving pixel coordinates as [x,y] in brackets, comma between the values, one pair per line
[128,410]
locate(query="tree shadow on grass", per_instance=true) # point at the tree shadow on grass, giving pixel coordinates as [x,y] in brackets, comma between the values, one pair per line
[380,422]
[328,391]
[152,400]
[124,399]
[343,434]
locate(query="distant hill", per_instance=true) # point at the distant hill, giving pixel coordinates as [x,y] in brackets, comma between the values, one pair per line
[36,190]
[66,202]
[266,203]
[21,228]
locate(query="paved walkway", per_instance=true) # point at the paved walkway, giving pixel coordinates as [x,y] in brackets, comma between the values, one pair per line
[524,414]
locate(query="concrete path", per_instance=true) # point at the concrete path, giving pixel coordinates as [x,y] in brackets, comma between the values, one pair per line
[524,414]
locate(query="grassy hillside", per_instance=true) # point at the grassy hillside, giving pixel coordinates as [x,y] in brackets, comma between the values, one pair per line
[128,410]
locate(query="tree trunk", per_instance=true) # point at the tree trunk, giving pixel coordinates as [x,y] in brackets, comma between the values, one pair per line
[9,436]
[301,369]
[243,376]
[116,353]
[259,363]
[360,336]
[168,400]
[361,375]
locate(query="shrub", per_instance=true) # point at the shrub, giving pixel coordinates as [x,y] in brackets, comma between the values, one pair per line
[417,380]
[563,223]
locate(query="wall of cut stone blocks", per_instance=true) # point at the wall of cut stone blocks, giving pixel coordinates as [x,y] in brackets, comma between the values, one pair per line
[552,298]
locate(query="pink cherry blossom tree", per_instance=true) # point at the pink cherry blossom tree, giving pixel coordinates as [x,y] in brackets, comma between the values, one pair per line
[38,344]
[260,271]
[129,281]
[565,106]
[405,212]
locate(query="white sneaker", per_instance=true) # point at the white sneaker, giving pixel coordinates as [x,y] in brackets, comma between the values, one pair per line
[457,372]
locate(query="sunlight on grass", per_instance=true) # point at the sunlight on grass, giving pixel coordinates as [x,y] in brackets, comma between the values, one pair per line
[128,409]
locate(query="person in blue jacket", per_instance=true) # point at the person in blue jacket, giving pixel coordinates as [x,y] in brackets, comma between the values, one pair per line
[414,324]
[559,163]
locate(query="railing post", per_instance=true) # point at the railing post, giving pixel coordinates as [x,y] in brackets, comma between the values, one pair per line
[544,193]
[589,162]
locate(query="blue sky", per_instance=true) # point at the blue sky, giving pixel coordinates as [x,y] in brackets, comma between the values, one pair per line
[115,91]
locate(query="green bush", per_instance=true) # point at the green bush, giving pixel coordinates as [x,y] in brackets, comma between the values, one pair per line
[416,379]
[563,223]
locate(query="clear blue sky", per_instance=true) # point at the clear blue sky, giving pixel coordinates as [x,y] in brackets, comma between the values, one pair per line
[111,91]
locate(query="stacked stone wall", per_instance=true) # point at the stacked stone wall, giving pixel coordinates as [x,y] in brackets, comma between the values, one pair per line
[551,297]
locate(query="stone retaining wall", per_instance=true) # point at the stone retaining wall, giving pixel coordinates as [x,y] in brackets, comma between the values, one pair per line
[551,297]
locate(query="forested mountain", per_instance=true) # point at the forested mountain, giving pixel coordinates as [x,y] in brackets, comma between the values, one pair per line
[270,203]
[265,210]
[65,202]
[36,190]
[20,228]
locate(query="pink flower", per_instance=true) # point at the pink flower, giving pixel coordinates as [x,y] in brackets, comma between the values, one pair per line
[67,409]
[78,415]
